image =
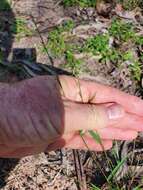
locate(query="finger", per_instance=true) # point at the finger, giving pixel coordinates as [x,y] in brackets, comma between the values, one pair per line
[116,134]
[129,122]
[85,91]
[86,116]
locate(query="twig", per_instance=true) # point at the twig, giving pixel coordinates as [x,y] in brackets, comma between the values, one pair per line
[79,171]
[42,41]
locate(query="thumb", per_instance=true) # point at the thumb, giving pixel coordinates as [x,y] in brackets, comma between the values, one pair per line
[91,116]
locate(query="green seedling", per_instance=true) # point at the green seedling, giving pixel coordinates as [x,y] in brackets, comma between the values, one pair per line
[59,46]
[134,66]
[135,69]
[121,30]
[131,4]
[81,3]
[75,65]
[99,45]
[20,28]
[128,56]
[139,40]
[57,42]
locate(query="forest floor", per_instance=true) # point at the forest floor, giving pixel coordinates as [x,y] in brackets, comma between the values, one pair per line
[97,40]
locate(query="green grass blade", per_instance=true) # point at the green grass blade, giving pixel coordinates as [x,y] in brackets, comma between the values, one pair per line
[81,133]
[137,188]
[93,187]
[95,136]
[114,171]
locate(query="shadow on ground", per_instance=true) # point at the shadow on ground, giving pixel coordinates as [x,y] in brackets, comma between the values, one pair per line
[7,30]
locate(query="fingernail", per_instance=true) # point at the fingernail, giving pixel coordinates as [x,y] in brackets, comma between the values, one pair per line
[115,111]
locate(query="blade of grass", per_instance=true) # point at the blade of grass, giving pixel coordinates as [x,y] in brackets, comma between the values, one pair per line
[94,187]
[81,132]
[114,171]
[137,188]
[97,139]
[95,136]
[42,41]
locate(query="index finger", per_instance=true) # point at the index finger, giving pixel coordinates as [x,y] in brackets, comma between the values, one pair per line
[91,92]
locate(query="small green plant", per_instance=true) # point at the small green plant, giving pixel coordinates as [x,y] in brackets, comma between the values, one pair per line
[99,45]
[59,46]
[121,30]
[20,28]
[131,4]
[72,63]
[134,66]
[57,43]
[127,56]
[139,40]
[81,3]
[135,69]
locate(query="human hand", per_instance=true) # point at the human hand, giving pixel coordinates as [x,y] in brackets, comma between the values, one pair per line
[40,115]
